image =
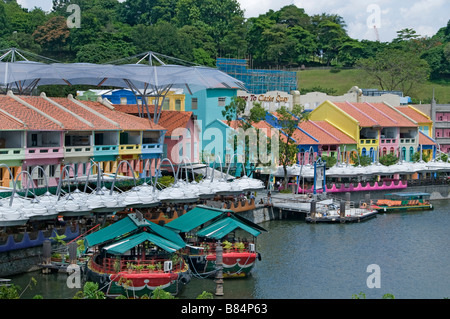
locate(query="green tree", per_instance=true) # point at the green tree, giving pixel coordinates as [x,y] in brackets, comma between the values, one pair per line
[205,295]
[53,36]
[257,43]
[388,159]
[90,291]
[288,120]
[102,52]
[159,293]
[220,15]
[245,121]
[147,12]
[406,35]
[305,43]
[330,160]
[393,69]
[438,58]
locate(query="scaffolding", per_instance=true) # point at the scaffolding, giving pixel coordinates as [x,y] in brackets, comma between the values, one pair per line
[258,81]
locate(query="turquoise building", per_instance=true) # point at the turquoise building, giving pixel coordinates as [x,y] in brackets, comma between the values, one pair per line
[207,105]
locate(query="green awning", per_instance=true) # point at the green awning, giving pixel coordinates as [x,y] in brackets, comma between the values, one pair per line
[223,227]
[128,224]
[119,228]
[124,245]
[168,234]
[195,217]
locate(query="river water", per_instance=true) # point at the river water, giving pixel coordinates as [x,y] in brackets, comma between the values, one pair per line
[329,261]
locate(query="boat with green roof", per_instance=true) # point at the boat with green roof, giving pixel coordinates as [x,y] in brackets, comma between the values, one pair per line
[204,227]
[134,256]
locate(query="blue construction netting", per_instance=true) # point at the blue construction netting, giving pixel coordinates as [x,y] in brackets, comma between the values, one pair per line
[258,81]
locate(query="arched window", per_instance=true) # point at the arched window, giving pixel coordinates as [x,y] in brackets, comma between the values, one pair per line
[363,151]
[404,153]
[411,153]
[384,151]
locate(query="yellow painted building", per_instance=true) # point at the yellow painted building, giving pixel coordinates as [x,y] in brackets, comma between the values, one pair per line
[329,112]
[376,127]
[173,102]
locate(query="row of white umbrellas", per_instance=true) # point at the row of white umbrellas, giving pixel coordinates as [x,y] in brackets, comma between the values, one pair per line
[345,170]
[348,170]
[17,210]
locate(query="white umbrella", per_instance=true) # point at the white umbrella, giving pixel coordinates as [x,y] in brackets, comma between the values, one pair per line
[11,216]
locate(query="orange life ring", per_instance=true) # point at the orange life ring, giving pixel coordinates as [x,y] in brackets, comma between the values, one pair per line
[364,205]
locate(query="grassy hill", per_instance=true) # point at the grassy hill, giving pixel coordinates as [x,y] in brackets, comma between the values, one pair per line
[343,80]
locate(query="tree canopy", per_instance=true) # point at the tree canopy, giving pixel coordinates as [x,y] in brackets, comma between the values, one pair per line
[199,31]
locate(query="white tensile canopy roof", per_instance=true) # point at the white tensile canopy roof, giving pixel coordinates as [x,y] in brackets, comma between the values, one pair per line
[141,76]
[143,79]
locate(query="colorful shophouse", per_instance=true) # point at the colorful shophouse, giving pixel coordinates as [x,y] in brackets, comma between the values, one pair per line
[207,105]
[375,127]
[181,140]
[52,132]
[307,144]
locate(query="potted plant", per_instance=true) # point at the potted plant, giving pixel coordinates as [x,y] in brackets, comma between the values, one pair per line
[227,245]
[130,268]
[117,265]
[240,246]
[151,267]
[159,266]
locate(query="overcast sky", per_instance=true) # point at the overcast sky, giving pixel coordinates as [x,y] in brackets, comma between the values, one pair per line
[424,16]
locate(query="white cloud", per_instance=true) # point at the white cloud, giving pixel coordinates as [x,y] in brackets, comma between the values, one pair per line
[45,5]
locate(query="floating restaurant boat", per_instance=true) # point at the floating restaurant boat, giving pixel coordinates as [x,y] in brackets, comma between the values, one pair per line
[134,256]
[398,202]
[203,226]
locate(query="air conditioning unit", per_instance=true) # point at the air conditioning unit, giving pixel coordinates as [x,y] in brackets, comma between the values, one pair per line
[251,247]
[167,265]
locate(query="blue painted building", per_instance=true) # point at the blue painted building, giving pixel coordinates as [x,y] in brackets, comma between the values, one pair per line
[121,96]
[304,140]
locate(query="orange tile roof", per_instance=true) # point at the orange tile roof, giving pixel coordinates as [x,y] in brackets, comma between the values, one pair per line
[265,127]
[414,114]
[16,112]
[8,123]
[126,121]
[98,122]
[32,119]
[234,124]
[301,138]
[131,108]
[171,120]
[425,139]
[375,114]
[326,133]
[69,121]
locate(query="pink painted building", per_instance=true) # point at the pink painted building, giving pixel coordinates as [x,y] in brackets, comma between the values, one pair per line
[182,136]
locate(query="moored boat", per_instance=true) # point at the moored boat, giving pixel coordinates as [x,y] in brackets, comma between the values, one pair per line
[398,202]
[203,227]
[343,213]
[134,256]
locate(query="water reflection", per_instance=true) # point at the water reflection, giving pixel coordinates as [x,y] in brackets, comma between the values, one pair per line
[303,261]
